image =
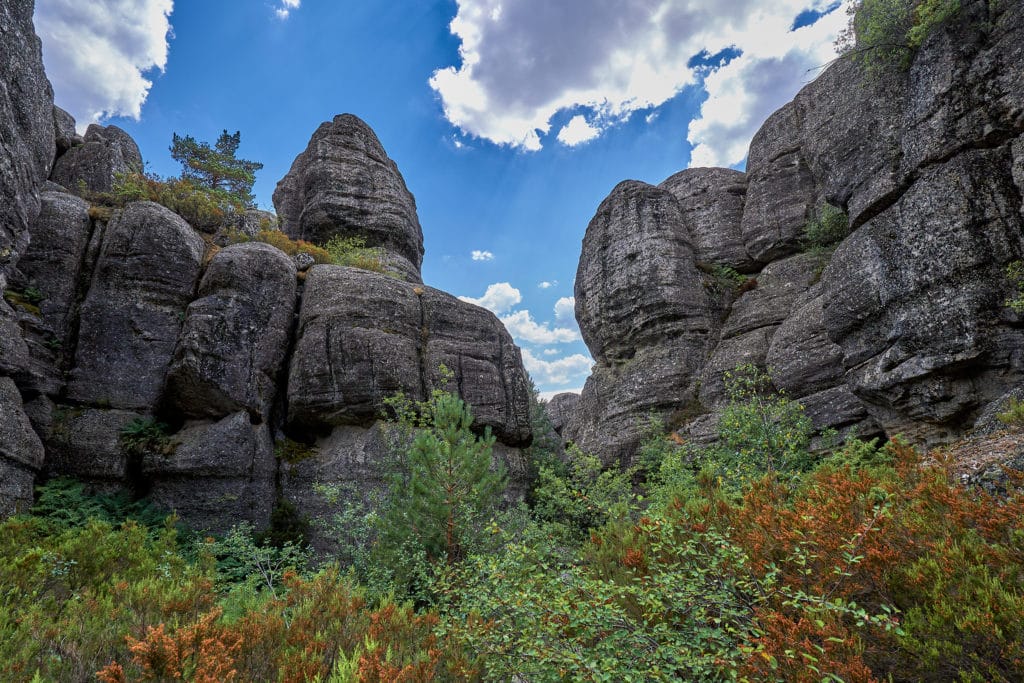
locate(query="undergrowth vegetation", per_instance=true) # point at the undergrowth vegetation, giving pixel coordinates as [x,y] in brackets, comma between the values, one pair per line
[754,560]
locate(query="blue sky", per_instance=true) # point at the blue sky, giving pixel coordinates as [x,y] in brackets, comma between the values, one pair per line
[509,119]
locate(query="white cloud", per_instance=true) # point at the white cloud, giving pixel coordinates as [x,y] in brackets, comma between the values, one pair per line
[285,10]
[498,299]
[550,352]
[572,368]
[565,311]
[522,326]
[96,53]
[519,66]
[744,92]
[546,284]
[479,255]
[577,131]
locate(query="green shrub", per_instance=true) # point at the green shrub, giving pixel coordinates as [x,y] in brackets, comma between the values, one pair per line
[827,227]
[146,435]
[352,251]
[280,240]
[202,207]
[886,33]
[1015,274]
[1014,413]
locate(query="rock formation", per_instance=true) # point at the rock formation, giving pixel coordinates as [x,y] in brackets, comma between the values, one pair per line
[137,352]
[902,330]
[344,184]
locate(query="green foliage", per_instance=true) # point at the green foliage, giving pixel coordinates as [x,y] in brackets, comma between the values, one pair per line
[352,251]
[569,502]
[886,33]
[278,239]
[1014,413]
[202,207]
[760,430]
[217,168]
[723,278]
[243,560]
[27,299]
[827,228]
[293,452]
[65,503]
[1015,274]
[146,435]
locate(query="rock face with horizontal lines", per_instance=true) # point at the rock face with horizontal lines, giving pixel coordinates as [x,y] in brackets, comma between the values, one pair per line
[139,352]
[344,184]
[902,329]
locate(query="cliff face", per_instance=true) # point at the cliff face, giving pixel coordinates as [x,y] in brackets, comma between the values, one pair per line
[902,330]
[131,316]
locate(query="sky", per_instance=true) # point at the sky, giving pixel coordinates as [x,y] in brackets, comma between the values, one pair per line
[510,120]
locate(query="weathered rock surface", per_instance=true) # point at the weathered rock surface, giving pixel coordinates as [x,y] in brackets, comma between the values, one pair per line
[345,184]
[53,261]
[146,274]
[86,443]
[21,452]
[218,474]
[64,131]
[26,128]
[711,200]
[94,165]
[363,337]
[644,314]
[907,331]
[233,344]
[560,408]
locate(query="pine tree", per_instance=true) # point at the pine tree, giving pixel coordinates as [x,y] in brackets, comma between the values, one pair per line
[216,168]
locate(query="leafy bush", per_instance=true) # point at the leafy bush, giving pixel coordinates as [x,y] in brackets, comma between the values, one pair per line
[146,435]
[203,208]
[64,503]
[276,238]
[827,228]
[1014,413]
[27,300]
[352,251]
[883,33]
[1015,274]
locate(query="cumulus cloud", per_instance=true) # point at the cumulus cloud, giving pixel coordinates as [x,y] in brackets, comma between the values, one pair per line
[577,131]
[286,8]
[561,371]
[519,66]
[550,352]
[522,326]
[499,298]
[479,255]
[565,311]
[97,53]
[548,395]
[746,90]
[546,284]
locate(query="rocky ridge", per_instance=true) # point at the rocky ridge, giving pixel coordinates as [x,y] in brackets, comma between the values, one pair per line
[128,318]
[901,330]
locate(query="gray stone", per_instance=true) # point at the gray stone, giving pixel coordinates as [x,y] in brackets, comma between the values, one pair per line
[781,191]
[560,408]
[85,443]
[345,184]
[711,200]
[803,360]
[64,131]
[145,277]
[988,421]
[837,408]
[21,452]
[218,475]
[749,348]
[26,128]
[364,337]
[94,165]
[778,287]
[53,260]
[909,298]
[14,354]
[233,344]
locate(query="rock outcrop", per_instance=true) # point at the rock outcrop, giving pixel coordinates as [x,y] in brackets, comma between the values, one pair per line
[345,184]
[94,165]
[138,353]
[903,329]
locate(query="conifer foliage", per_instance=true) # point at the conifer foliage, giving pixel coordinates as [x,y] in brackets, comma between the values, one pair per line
[216,168]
